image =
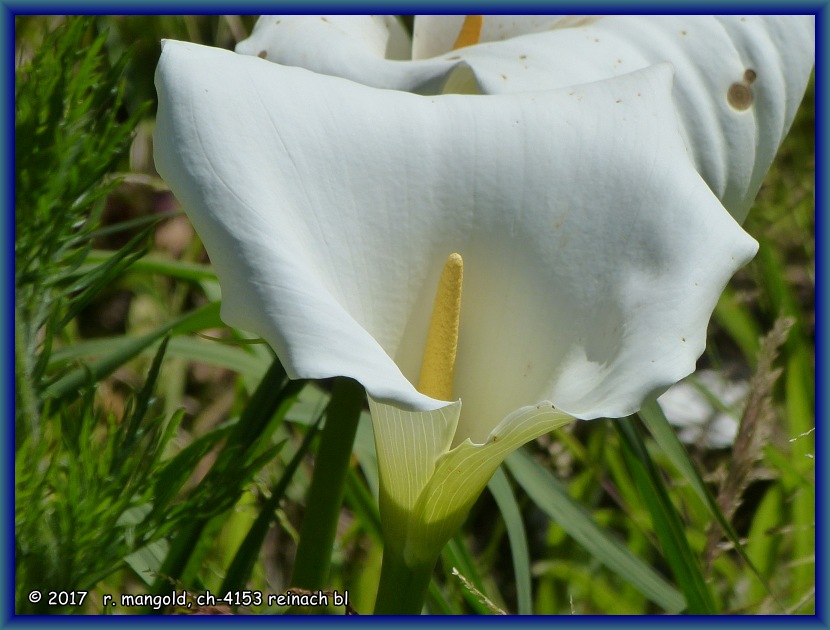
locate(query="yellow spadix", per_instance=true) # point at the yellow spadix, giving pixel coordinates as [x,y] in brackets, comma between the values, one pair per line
[470,31]
[438,364]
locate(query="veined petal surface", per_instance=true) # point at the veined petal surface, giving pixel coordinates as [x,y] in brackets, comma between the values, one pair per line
[427,488]
[593,251]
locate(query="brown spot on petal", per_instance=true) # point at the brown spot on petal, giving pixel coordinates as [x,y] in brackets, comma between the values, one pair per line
[739,96]
[262,54]
[750,75]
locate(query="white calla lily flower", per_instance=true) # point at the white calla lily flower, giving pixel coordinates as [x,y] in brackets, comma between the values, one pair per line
[738,79]
[593,251]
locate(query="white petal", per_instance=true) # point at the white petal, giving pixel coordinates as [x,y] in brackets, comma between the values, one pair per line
[349,46]
[733,143]
[594,253]
[353,35]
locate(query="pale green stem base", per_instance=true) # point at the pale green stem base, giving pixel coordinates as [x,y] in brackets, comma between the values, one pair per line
[325,496]
[402,589]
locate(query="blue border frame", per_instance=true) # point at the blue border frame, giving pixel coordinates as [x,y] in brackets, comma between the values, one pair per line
[821,314]
[7,314]
[8,11]
[11,8]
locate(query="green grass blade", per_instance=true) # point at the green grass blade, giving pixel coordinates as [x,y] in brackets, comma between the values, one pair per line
[800,412]
[455,555]
[800,400]
[663,433]
[553,499]
[779,291]
[225,355]
[240,569]
[147,561]
[359,498]
[142,400]
[763,538]
[176,471]
[438,603]
[737,320]
[205,317]
[666,521]
[132,224]
[224,483]
[91,283]
[325,495]
[500,489]
[155,264]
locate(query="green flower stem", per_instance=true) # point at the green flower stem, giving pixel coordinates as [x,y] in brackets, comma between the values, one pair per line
[402,589]
[325,496]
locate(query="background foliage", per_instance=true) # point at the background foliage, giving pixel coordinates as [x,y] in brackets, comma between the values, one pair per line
[157,449]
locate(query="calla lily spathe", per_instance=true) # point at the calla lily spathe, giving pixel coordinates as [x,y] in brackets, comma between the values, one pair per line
[328,209]
[738,79]
[593,250]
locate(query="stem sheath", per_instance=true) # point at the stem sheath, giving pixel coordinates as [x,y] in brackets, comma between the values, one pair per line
[402,589]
